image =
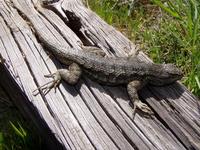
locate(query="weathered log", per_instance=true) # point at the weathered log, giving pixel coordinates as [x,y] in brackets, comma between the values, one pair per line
[29,111]
[88,115]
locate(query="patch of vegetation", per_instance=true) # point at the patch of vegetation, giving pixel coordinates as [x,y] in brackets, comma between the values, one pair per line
[167,30]
[16,133]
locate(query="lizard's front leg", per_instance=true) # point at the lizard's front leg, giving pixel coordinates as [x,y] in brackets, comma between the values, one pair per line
[70,75]
[132,89]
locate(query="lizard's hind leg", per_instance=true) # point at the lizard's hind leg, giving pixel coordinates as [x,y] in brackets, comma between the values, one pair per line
[132,89]
[70,75]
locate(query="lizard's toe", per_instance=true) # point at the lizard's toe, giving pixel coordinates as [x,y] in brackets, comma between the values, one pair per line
[143,107]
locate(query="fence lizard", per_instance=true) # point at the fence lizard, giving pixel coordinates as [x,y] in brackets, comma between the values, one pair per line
[113,71]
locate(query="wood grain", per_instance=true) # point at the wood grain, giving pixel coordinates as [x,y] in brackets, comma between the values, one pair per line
[88,115]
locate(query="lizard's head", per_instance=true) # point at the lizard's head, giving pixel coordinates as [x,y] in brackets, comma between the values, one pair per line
[168,74]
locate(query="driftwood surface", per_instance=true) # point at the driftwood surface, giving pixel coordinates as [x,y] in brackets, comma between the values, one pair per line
[87,115]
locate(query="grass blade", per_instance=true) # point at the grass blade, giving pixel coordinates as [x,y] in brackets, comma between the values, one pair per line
[1,141]
[168,10]
[198,82]
[17,131]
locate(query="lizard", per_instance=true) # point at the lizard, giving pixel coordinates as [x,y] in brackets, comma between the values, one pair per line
[129,71]
[113,71]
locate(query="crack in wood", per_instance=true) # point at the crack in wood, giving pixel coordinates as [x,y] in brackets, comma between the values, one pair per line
[78,121]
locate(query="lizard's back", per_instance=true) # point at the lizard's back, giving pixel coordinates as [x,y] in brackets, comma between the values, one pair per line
[114,70]
[117,70]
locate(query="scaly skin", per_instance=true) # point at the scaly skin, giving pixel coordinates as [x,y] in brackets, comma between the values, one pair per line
[116,71]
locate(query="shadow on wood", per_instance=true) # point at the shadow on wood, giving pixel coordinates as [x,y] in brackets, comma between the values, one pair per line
[87,115]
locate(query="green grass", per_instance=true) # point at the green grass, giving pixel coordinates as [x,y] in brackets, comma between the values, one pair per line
[170,35]
[169,31]
[16,133]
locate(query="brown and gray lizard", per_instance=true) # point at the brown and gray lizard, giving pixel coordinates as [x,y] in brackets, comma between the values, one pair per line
[116,71]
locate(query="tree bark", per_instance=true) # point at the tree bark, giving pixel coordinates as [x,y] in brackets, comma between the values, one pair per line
[87,115]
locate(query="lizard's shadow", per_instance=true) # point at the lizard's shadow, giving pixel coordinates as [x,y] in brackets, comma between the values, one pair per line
[148,93]
[173,92]
[151,94]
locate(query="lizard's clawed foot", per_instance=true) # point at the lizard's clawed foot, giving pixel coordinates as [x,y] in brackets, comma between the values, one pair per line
[143,107]
[70,75]
[49,85]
